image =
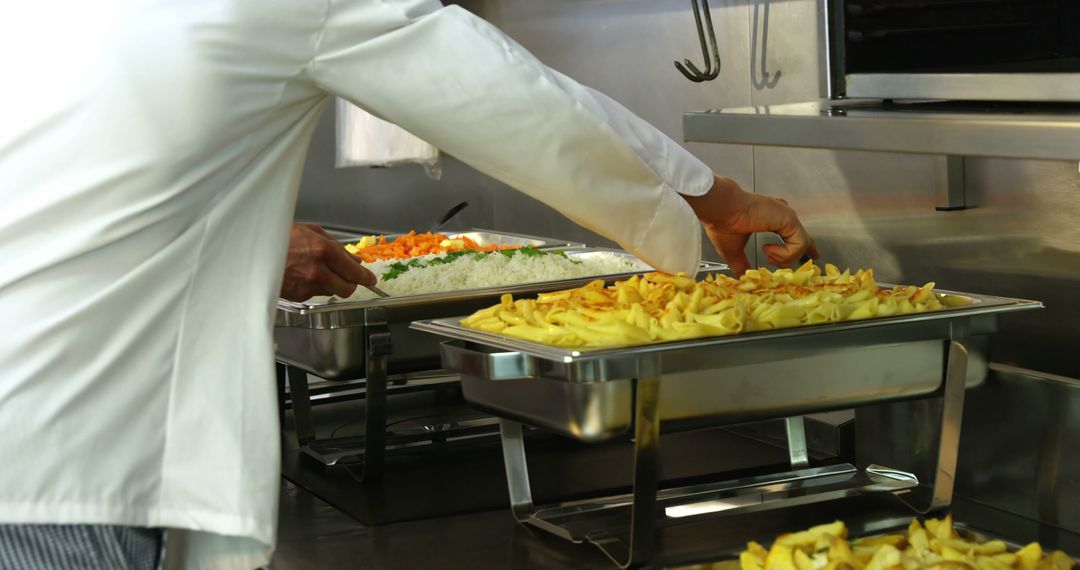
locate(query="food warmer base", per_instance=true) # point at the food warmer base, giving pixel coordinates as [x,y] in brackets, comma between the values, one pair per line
[451,478]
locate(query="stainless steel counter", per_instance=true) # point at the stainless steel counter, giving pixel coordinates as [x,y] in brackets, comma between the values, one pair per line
[962,129]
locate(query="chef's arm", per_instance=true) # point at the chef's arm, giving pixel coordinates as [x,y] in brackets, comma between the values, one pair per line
[731,215]
[459,83]
[316,264]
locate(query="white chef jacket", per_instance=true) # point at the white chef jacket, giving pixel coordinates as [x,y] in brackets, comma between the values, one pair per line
[150,155]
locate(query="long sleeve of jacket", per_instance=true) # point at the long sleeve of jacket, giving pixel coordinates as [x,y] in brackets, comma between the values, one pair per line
[456,81]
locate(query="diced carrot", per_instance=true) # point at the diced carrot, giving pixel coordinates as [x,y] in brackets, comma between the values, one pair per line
[414,244]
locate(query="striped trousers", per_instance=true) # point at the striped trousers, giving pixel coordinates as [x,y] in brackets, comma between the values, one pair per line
[80,547]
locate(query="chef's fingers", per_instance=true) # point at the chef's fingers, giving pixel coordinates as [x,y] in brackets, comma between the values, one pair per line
[332,283]
[731,247]
[774,214]
[789,253]
[344,264]
[315,228]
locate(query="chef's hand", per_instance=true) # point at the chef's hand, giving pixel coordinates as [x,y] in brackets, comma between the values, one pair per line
[319,265]
[731,214]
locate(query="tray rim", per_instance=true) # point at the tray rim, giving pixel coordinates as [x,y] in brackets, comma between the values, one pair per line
[984,304]
[303,308]
[545,242]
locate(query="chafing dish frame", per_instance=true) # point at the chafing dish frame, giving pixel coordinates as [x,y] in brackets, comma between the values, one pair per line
[925,485]
[363,337]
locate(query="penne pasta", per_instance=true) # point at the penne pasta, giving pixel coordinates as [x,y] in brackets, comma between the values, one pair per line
[660,307]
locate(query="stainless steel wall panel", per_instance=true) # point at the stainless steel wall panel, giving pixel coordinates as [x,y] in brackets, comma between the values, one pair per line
[1021,452]
[1020,239]
[785,56]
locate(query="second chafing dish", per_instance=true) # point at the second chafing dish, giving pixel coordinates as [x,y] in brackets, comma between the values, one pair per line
[372,340]
[328,340]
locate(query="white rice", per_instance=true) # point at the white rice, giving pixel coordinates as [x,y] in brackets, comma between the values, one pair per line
[493,270]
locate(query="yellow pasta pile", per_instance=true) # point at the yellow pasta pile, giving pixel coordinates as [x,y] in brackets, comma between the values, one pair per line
[659,307]
[936,545]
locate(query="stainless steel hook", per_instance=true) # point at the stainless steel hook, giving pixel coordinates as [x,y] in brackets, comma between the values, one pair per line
[712,62]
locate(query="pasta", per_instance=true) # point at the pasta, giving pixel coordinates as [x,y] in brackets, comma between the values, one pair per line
[659,307]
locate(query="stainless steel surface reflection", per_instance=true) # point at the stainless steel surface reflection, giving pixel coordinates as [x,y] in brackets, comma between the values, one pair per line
[1021,446]
[1019,239]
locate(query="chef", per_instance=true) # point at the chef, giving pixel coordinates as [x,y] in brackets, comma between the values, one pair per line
[150,155]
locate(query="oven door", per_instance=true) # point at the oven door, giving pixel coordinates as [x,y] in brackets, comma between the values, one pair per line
[1000,50]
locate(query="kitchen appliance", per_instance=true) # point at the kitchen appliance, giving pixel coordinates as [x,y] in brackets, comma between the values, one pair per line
[996,50]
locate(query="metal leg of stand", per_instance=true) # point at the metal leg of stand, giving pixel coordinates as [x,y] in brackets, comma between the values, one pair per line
[280,374]
[517,471]
[378,351]
[952,410]
[646,468]
[637,548]
[920,437]
[301,405]
[796,439]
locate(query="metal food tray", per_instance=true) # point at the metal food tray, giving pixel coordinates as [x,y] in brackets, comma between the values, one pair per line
[587,393]
[327,339]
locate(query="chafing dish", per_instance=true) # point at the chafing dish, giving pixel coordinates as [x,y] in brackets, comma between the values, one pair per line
[326,339]
[597,394]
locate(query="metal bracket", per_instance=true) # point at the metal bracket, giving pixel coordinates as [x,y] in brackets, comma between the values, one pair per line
[372,445]
[932,425]
[950,184]
[378,347]
[303,417]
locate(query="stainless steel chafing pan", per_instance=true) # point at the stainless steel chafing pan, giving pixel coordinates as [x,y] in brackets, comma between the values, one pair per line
[588,394]
[327,339]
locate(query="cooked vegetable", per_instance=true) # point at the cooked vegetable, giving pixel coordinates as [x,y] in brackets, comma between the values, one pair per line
[395,270]
[413,244]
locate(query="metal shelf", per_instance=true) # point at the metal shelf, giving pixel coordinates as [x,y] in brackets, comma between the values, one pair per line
[1011,130]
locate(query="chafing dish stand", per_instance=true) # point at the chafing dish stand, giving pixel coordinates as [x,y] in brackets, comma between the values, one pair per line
[375,441]
[922,464]
[323,340]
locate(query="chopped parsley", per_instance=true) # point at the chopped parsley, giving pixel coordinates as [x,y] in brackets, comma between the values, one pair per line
[395,270]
